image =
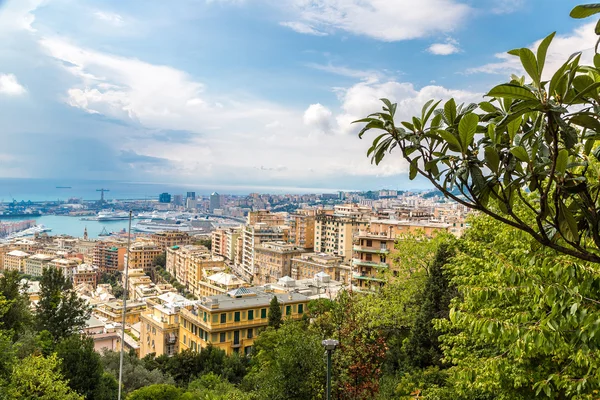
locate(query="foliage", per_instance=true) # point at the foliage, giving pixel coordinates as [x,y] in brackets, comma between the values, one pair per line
[204,242]
[161,260]
[113,278]
[536,137]
[107,389]
[212,386]
[135,375]
[526,323]
[17,318]
[288,363]
[275,318]
[37,377]
[60,311]
[422,348]
[156,392]
[80,364]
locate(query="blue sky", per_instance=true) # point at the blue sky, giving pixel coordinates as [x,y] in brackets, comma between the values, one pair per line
[245,92]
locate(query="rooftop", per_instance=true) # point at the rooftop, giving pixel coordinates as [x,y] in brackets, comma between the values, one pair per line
[249,297]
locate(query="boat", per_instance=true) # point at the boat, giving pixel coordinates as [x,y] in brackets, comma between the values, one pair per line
[14,214]
[63,187]
[112,216]
[36,229]
[149,226]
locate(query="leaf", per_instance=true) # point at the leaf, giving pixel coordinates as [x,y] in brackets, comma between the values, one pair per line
[488,107]
[585,10]
[520,153]
[466,129]
[510,91]
[450,111]
[567,224]
[513,127]
[530,64]
[561,161]
[542,50]
[413,169]
[453,143]
[558,75]
[586,121]
[492,158]
[597,59]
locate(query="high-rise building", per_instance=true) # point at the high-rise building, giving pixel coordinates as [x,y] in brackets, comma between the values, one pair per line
[334,229]
[273,260]
[164,198]
[302,228]
[215,201]
[171,238]
[142,256]
[178,199]
[191,195]
[252,236]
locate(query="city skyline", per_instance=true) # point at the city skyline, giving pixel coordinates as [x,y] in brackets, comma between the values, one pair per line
[244,92]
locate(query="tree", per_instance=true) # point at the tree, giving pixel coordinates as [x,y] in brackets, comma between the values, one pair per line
[59,311]
[107,389]
[288,364]
[135,375]
[532,144]
[17,317]
[37,377]
[526,321]
[156,392]
[275,313]
[161,260]
[80,364]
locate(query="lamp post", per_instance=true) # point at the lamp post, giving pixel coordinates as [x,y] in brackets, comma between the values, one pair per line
[330,345]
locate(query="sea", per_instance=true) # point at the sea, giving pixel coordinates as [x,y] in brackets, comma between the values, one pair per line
[37,190]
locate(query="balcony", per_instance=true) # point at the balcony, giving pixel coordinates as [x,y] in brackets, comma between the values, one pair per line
[365,277]
[373,250]
[365,263]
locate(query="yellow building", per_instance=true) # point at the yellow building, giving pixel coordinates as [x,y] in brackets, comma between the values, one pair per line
[199,266]
[218,283]
[252,236]
[113,311]
[266,217]
[109,256]
[273,260]
[142,255]
[35,264]
[307,265]
[179,259]
[160,325]
[66,265]
[334,229]
[15,260]
[231,322]
[395,228]
[166,240]
[302,228]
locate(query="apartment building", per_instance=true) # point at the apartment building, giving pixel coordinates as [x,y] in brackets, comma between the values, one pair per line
[109,256]
[217,283]
[302,228]
[66,265]
[371,253]
[15,260]
[334,229]
[113,311]
[252,236]
[231,322]
[142,255]
[308,265]
[159,332]
[199,266]
[178,261]
[35,264]
[165,240]
[266,217]
[225,242]
[273,260]
[85,274]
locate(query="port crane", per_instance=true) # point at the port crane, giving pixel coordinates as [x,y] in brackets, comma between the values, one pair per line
[102,194]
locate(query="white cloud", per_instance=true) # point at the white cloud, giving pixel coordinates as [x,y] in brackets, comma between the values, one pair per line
[18,15]
[9,85]
[444,49]
[506,6]
[367,75]
[111,18]
[581,39]
[303,28]
[318,117]
[380,19]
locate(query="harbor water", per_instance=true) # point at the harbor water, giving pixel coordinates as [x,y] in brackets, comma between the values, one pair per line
[74,226]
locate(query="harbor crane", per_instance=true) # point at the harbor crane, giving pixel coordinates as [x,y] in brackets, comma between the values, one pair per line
[102,194]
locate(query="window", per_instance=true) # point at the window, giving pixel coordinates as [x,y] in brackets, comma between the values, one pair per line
[263,313]
[222,337]
[214,337]
[223,318]
[215,318]
[288,310]
[369,243]
[184,339]
[250,315]
[250,333]
[237,316]
[300,308]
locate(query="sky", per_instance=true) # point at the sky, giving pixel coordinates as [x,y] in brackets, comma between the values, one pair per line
[247,92]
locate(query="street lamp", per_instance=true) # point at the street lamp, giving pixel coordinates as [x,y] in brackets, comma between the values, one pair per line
[330,345]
